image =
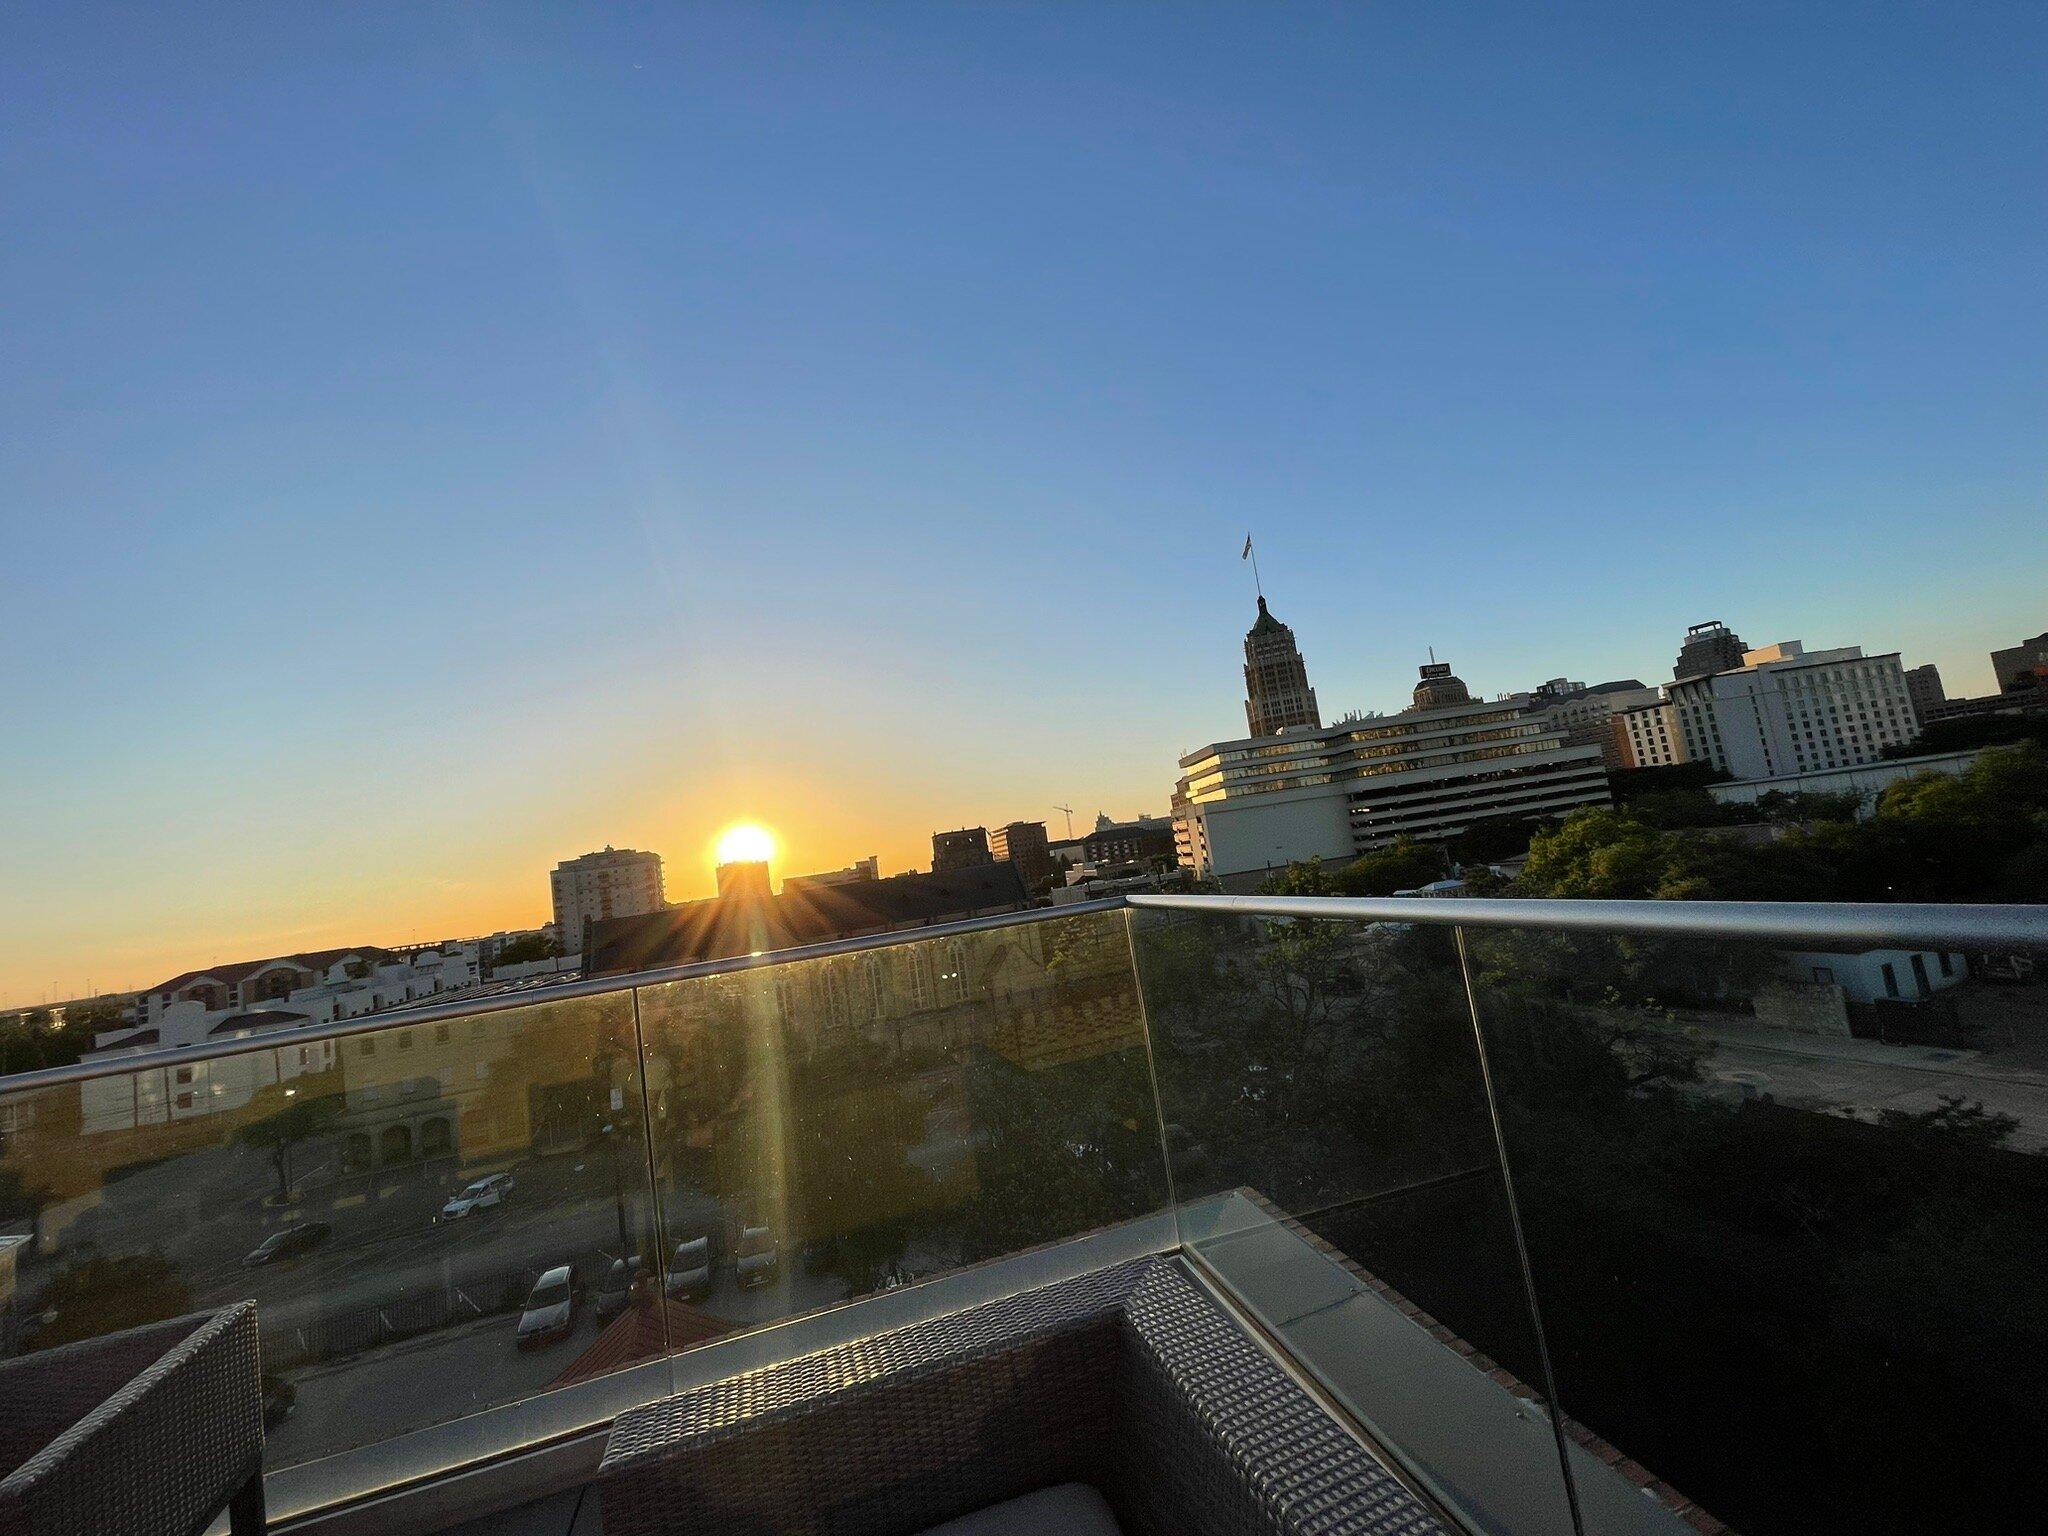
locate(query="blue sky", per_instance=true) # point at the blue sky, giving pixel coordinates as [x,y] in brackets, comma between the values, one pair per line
[444,438]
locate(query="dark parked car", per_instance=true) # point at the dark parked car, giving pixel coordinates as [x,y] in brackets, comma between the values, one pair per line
[288,1243]
[757,1257]
[689,1269]
[615,1292]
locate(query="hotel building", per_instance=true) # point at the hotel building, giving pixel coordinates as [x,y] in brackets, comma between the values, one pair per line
[1243,808]
[1790,710]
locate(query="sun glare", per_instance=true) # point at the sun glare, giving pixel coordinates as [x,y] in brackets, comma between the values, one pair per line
[746,842]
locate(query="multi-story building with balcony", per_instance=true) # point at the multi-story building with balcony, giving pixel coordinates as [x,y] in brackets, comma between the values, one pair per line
[1789,710]
[1242,808]
[617,882]
[246,984]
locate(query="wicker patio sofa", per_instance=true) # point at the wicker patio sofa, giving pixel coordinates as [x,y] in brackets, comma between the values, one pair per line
[1123,1400]
[147,1432]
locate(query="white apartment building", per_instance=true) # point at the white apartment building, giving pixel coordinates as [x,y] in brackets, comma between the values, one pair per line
[1648,735]
[1788,710]
[1243,808]
[202,1008]
[618,882]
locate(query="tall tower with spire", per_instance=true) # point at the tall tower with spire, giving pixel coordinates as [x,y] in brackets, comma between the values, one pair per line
[1277,696]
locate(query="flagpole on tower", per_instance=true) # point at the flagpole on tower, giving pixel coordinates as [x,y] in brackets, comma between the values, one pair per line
[1253,556]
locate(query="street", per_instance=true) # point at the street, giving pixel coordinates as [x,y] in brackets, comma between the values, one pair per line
[1861,1078]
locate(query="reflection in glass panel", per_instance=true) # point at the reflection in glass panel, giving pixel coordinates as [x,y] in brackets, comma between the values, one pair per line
[1335,1164]
[1787,1217]
[831,1127]
[429,1217]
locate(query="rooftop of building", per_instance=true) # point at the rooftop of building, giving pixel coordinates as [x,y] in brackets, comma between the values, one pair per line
[1410,721]
[238,970]
[720,927]
[260,1018]
[1265,623]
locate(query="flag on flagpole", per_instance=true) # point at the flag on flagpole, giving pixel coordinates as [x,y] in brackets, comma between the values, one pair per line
[1247,549]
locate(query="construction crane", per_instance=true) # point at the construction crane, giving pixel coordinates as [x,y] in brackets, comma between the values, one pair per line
[1070,819]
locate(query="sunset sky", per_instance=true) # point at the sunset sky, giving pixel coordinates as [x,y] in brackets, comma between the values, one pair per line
[441,440]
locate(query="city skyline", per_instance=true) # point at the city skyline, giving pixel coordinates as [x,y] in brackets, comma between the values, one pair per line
[688,881]
[443,450]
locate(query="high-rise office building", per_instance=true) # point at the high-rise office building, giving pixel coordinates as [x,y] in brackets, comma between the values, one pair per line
[1024,844]
[964,849]
[618,882]
[2022,668]
[1709,647]
[1789,710]
[1277,696]
[1923,687]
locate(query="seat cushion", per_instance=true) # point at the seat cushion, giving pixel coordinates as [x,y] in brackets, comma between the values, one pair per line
[1071,1509]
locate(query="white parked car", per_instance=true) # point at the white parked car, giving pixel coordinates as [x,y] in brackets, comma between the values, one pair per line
[550,1309]
[485,1192]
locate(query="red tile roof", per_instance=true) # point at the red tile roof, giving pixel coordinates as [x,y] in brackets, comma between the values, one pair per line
[647,1330]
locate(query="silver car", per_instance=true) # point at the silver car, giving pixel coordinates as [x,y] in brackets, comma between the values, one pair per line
[550,1310]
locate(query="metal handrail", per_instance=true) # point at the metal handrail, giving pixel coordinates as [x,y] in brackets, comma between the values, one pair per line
[1992,929]
[502,1002]
[1814,924]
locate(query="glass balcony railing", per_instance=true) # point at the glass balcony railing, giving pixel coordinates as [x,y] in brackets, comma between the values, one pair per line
[1593,1217]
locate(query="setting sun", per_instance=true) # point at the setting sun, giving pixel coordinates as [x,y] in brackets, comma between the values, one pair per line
[746,842]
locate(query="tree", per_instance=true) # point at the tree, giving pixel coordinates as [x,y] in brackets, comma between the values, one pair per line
[304,1117]
[1309,877]
[36,1043]
[98,1295]
[1402,865]
[527,948]
[1497,837]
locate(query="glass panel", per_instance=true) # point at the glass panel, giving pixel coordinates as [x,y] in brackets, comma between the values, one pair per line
[402,1206]
[832,1127]
[1788,1233]
[1336,1167]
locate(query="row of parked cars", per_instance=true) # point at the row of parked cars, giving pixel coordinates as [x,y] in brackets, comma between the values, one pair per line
[551,1307]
